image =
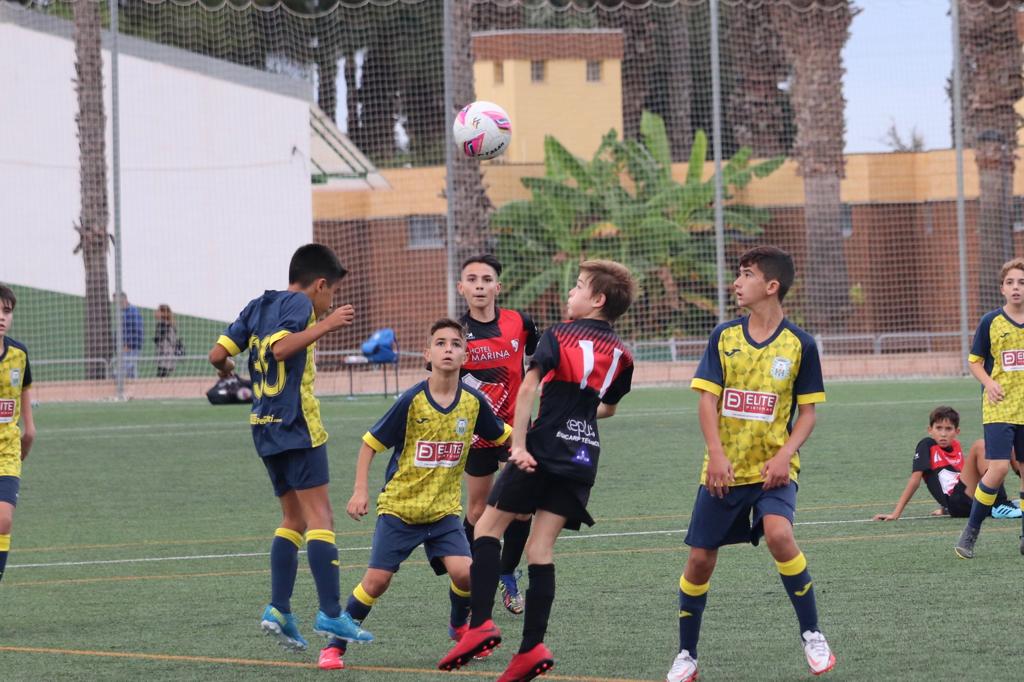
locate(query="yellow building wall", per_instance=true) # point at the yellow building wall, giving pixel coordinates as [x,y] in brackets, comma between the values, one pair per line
[564,105]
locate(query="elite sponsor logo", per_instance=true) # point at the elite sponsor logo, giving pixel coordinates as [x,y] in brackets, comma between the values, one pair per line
[6,411]
[1013,360]
[753,405]
[434,454]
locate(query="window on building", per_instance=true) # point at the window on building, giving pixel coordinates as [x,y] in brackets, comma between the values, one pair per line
[499,73]
[426,232]
[537,67]
[593,71]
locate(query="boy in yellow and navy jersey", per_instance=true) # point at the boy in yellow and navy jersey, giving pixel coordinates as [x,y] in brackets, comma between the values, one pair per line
[15,405]
[431,429]
[280,330]
[757,373]
[997,361]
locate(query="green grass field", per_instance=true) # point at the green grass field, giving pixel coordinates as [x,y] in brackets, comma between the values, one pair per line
[139,551]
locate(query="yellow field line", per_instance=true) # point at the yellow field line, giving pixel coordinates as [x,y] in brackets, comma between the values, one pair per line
[596,552]
[278,664]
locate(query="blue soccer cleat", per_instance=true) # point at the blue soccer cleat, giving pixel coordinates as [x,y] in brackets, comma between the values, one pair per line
[1005,511]
[511,597]
[284,627]
[342,627]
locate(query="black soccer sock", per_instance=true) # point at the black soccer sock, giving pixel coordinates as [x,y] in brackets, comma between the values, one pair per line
[984,498]
[322,554]
[460,605]
[359,604]
[5,548]
[515,542]
[339,644]
[800,589]
[284,564]
[468,527]
[692,600]
[539,597]
[483,578]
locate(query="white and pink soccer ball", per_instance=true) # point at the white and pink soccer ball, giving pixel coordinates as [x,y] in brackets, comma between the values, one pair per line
[482,130]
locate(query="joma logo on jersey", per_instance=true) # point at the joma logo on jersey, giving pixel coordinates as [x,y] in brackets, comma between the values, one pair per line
[749,405]
[6,411]
[1013,360]
[432,454]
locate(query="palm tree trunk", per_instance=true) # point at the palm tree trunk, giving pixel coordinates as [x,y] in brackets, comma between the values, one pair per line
[92,227]
[472,206]
[813,34]
[991,54]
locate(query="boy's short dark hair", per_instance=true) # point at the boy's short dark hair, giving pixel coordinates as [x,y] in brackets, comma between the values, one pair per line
[486,259]
[774,263]
[944,413]
[7,296]
[312,262]
[448,323]
[615,282]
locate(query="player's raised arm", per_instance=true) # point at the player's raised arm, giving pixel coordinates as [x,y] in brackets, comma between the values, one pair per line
[291,344]
[524,409]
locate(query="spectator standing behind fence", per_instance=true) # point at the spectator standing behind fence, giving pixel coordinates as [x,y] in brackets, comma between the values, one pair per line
[169,346]
[132,335]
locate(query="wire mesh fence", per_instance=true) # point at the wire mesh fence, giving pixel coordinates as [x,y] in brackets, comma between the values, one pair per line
[142,213]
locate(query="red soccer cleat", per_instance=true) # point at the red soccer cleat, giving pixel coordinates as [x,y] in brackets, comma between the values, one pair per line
[533,663]
[471,644]
[330,659]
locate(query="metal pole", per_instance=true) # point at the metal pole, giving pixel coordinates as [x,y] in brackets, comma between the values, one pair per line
[961,222]
[716,145]
[449,163]
[115,125]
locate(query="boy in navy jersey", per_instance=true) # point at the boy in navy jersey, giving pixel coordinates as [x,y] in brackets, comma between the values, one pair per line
[498,341]
[585,370]
[949,475]
[280,330]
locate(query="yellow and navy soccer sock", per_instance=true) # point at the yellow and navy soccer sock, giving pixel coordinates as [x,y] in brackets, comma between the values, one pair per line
[484,578]
[515,542]
[322,554]
[692,600]
[5,549]
[800,589]
[359,603]
[984,498]
[539,597]
[460,605]
[284,565]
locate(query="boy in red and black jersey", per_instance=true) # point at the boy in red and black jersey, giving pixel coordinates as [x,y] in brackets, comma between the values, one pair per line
[498,341]
[585,371]
[951,476]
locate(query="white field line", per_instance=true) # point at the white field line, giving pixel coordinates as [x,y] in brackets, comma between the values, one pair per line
[587,536]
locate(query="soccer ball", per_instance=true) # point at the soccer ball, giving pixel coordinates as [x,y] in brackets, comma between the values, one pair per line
[482,130]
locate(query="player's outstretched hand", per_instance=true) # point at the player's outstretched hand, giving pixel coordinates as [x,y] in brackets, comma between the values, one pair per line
[341,316]
[994,392]
[720,475]
[358,505]
[885,517]
[523,459]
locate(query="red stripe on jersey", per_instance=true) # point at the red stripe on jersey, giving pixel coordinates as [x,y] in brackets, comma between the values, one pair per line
[589,357]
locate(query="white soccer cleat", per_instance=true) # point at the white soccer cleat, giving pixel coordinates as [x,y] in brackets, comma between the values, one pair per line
[819,655]
[684,668]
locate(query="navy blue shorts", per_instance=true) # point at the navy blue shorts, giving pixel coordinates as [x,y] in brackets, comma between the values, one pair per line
[297,469]
[9,486]
[1002,439]
[727,521]
[394,540]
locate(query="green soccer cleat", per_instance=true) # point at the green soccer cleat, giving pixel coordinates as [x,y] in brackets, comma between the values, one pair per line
[283,627]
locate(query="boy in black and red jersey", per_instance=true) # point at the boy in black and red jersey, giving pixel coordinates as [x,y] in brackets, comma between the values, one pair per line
[585,370]
[498,340]
[950,476]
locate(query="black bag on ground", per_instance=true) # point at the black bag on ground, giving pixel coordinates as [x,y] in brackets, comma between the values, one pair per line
[230,391]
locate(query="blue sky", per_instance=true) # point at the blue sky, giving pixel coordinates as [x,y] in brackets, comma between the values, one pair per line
[897,60]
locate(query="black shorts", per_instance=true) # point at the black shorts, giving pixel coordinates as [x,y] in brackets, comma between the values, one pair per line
[959,503]
[521,493]
[484,461]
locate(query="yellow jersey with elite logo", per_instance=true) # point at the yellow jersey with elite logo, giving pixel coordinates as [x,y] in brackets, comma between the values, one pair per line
[15,376]
[759,386]
[423,482]
[999,344]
